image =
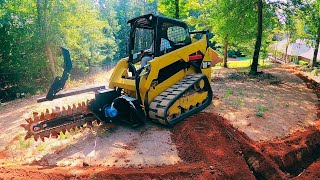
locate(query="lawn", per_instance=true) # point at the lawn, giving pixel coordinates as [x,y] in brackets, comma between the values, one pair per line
[242,64]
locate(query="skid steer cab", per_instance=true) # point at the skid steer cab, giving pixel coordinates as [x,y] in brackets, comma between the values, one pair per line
[165,79]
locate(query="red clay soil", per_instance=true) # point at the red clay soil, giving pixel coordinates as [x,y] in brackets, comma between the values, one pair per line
[229,153]
[295,153]
[211,149]
[313,172]
[298,154]
[179,171]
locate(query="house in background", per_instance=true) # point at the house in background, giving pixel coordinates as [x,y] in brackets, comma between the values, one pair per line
[299,50]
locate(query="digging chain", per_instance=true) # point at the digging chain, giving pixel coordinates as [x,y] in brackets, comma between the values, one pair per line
[59,120]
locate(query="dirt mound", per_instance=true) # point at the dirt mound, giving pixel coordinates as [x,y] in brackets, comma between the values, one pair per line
[295,153]
[228,153]
[179,171]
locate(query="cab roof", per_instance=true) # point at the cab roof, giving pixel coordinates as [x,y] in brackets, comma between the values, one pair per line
[149,21]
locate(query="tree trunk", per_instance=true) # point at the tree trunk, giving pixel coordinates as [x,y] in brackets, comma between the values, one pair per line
[286,53]
[254,65]
[90,59]
[176,3]
[43,32]
[51,61]
[225,56]
[316,49]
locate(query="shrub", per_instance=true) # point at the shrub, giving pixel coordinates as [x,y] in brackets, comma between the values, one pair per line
[228,93]
[231,53]
[303,63]
[261,110]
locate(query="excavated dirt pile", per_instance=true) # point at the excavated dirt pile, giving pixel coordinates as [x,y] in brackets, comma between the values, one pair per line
[227,152]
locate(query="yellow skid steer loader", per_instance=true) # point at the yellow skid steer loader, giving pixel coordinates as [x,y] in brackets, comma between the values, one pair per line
[166,78]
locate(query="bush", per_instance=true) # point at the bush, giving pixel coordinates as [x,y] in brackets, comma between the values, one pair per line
[261,110]
[231,53]
[303,63]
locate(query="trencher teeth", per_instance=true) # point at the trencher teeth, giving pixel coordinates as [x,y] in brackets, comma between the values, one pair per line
[29,120]
[36,118]
[28,135]
[42,138]
[39,120]
[35,113]
[25,126]
[54,134]
[63,131]
[35,137]
[42,116]
[69,111]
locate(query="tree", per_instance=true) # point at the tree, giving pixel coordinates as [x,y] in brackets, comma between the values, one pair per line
[32,32]
[42,19]
[309,11]
[173,8]
[313,19]
[255,60]
[231,25]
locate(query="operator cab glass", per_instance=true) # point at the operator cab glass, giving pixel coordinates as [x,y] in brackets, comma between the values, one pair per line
[143,42]
[155,35]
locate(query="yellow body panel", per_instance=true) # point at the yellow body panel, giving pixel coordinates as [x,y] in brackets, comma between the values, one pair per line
[149,89]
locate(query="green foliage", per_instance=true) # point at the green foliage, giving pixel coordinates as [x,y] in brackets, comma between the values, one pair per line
[228,93]
[94,32]
[261,110]
[302,63]
[23,144]
[168,8]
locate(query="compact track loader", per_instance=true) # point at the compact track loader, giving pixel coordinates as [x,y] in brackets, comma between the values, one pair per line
[166,78]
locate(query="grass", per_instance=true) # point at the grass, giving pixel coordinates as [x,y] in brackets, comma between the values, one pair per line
[261,110]
[243,58]
[242,64]
[241,92]
[238,103]
[228,93]
[24,143]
